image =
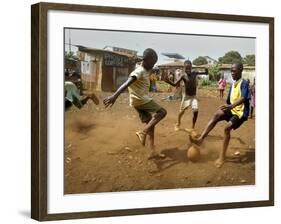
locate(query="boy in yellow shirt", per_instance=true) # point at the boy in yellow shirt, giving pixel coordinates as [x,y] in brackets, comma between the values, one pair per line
[235,111]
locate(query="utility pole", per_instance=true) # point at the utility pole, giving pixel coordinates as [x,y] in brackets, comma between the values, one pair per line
[69,34]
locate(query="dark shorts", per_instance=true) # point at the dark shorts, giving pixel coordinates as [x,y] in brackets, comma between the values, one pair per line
[146,110]
[234,119]
[67,104]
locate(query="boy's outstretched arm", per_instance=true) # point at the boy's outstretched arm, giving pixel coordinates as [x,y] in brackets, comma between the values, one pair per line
[109,101]
[244,97]
[235,104]
[206,72]
[173,83]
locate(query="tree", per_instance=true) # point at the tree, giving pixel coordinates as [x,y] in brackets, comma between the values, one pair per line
[230,58]
[214,72]
[200,61]
[69,55]
[249,60]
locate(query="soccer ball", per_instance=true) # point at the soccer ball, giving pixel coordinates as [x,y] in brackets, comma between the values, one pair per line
[193,153]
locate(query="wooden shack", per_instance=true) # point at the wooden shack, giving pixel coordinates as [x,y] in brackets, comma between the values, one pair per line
[105,70]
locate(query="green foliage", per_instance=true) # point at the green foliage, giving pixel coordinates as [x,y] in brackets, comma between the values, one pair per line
[249,60]
[69,55]
[200,61]
[206,82]
[230,57]
[214,72]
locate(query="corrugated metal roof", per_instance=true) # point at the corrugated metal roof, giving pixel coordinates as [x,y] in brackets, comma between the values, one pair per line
[172,64]
[181,63]
[87,49]
[174,55]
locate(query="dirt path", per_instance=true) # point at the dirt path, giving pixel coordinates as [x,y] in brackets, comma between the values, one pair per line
[102,153]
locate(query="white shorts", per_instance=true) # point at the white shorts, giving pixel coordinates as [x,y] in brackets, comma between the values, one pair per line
[187,101]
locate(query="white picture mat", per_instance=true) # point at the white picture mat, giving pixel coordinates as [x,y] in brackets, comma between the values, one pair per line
[60,203]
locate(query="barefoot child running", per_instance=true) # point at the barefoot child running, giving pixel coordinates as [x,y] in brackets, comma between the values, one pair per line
[188,94]
[235,111]
[138,86]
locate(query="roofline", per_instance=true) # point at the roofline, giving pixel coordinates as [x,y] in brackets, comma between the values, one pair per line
[87,49]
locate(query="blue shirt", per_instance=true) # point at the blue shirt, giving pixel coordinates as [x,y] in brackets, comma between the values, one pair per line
[239,89]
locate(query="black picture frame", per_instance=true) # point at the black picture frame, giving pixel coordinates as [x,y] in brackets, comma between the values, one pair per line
[39,108]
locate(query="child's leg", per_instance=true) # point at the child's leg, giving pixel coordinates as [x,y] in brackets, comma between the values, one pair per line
[221,93]
[160,114]
[145,116]
[180,114]
[194,105]
[212,123]
[85,100]
[154,153]
[91,96]
[151,138]
[220,161]
[149,130]
[94,98]
[194,118]
[251,112]
[185,103]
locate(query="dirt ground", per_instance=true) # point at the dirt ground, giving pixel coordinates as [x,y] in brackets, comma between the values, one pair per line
[103,154]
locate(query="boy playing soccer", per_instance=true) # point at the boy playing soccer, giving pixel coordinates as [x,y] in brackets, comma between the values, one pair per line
[235,111]
[189,92]
[138,86]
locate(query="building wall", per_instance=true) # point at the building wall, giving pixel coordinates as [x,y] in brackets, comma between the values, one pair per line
[249,74]
[104,71]
[90,71]
[246,74]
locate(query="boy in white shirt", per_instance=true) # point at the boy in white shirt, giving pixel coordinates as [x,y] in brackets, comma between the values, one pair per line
[138,86]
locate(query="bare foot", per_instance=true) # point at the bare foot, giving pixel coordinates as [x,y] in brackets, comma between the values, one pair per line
[141,136]
[177,127]
[194,139]
[189,130]
[219,162]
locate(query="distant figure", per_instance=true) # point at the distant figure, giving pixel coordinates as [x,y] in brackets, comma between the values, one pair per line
[221,86]
[171,77]
[235,111]
[189,79]
[73,97]
[153,79]
[177,90]
[138,86]
[253,98]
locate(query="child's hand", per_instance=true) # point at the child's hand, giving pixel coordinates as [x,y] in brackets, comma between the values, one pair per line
[109,101]
[225,107]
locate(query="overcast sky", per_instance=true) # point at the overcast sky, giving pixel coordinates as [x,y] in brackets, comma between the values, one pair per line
[189,46]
